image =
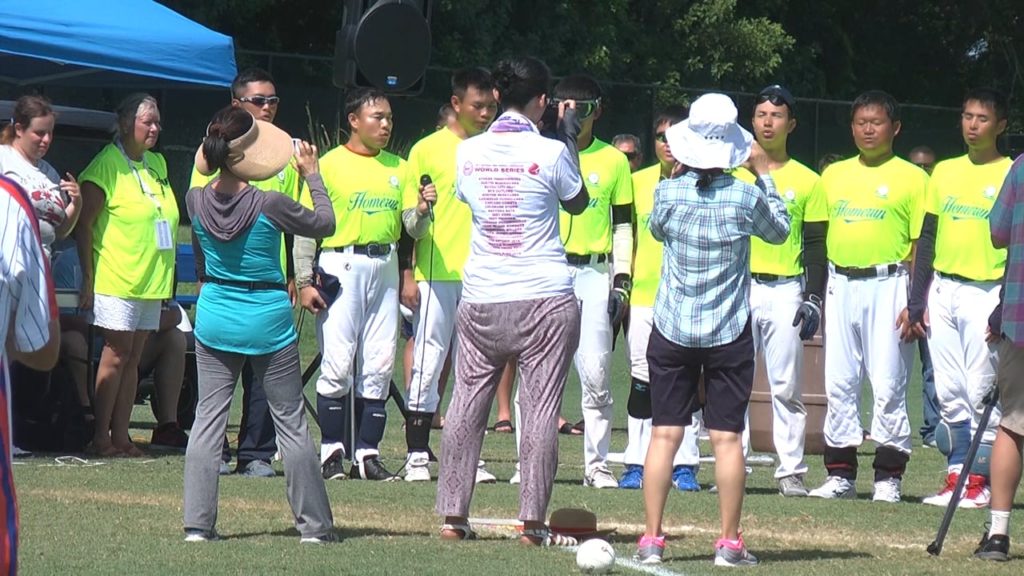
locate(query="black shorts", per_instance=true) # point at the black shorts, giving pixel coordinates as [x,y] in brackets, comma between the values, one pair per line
[675,373]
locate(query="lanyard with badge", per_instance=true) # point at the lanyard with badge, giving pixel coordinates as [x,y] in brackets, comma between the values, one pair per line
[164,241]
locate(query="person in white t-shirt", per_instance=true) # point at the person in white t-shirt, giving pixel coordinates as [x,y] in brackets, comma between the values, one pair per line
[517,297]
[25,141]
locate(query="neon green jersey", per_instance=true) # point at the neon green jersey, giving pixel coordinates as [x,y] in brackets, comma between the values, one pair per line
[874,213]
[606,174]
[366,192]
[649,252]
[961,194]
[795,184]
[286,182]
[448,237]
[126,261]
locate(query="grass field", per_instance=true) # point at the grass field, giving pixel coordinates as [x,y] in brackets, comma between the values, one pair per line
[124,517]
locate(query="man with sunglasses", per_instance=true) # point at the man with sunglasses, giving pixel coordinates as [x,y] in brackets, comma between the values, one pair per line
[604,229]
[254,91]
[788,281]
[630,145]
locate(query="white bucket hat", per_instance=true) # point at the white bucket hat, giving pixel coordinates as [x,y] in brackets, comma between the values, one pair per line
[710,137]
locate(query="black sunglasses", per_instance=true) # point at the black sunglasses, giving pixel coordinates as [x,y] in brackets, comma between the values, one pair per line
[631,155]
[775,99]
[660,137]
[261,100]
[584,108]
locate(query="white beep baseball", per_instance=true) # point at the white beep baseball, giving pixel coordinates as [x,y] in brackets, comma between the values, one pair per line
[595,556]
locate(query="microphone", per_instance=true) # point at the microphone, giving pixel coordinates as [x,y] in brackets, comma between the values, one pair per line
[426,181]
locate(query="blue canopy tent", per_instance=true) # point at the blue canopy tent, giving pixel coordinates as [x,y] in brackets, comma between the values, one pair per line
[108,43]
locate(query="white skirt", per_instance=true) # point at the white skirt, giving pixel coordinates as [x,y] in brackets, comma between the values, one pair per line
[125,314]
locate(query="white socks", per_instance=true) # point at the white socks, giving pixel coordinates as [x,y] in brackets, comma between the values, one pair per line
[1000,523]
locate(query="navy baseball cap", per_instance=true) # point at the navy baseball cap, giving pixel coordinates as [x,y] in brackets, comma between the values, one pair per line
[778,96]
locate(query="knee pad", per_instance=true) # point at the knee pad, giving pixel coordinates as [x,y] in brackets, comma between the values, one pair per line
[982,460]
[639,403]
[943,438]
[953,439]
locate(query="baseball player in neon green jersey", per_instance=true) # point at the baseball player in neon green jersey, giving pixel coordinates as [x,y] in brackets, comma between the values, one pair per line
[646,276]
[358,331]
[875,205]
[604,229]
[957,274]
[254,91]
[788,282]
[433,292]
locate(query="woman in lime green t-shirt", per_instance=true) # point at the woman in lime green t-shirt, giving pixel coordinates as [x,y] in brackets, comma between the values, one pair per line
[126,242]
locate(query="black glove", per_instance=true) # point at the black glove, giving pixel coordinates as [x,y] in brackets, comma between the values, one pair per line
[618,299]
[809,314]
[995,320]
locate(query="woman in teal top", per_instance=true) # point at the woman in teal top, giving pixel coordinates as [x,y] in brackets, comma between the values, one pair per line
[244,313]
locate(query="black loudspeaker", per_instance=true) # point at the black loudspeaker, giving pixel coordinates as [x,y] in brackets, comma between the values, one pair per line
[383,44]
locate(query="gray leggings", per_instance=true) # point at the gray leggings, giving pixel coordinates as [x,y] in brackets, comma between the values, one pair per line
[278,373]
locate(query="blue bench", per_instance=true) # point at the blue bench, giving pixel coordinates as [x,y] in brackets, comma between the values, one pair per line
[185,271]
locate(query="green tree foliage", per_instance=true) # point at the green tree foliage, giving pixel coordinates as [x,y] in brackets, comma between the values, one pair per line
[921,51]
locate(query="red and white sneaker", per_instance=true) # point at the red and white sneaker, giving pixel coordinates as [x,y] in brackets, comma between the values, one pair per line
[943,496]
[977,494]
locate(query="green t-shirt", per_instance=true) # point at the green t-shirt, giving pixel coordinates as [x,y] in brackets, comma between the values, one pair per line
[286,182]
[606,174]
[366,192]
[448,236]
[795,184]
[649,252]
[126,261]
[961,195]
[874,213]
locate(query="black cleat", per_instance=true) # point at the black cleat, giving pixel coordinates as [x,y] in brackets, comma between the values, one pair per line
[371,469]
[334,467]
[996,547]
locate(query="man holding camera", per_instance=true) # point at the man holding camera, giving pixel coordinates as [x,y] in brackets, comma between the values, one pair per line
[604,227]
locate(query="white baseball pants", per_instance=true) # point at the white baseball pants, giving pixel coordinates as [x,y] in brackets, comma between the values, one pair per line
[861,339]
[358,334]
[434,329]
[965,365]
[773,305]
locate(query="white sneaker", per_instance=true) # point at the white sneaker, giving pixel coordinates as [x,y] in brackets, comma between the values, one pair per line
[19,452]
[944,495]
[600,478]
[483,476]
[516,478]
[834,487]
[417,470]
[977,493]
[887,490]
